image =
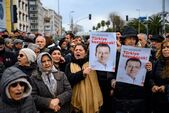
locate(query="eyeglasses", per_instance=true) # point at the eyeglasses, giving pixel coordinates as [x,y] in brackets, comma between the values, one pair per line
[20,55]
[18,83]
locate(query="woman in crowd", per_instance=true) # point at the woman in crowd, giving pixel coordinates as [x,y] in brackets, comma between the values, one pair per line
[130,98]
[86,96]
[58,60]
[26,61]
[160,80]
[51,89]
[16,92]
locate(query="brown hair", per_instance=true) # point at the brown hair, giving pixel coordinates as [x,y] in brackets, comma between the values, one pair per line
[165,71]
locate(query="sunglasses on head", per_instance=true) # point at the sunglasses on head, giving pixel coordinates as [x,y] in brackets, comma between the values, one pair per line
[20,55]
[18,83]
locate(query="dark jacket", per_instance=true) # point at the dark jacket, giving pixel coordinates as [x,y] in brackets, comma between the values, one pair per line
[7,59]
[75,78]
[7,105]
[160,100]
[129,97]
[104,79]
[42,95]
[27,69]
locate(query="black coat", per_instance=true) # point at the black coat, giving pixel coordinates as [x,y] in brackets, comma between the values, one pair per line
[27,105]
[75,78]
[129,97]
[7,59]
[160,100]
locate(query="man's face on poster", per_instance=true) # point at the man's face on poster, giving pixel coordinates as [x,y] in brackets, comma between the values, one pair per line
[102,54]
[132,68]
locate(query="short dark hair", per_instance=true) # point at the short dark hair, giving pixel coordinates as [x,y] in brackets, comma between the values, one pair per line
[102,45]
[53,49]
[133,59]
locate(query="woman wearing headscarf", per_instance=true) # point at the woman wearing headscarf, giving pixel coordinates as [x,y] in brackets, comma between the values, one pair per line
[160,80]
[51,89]
[86,96]
[16,92]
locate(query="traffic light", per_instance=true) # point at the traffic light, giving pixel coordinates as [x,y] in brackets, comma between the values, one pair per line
[90,16]
[127,17]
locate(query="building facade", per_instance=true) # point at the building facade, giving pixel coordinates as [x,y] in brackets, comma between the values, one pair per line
[22,22]
[52,22]
[36,16]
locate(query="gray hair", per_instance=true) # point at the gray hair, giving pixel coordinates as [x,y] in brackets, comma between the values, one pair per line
[142,34]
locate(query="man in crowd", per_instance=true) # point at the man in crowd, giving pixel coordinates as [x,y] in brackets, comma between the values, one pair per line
[41,42]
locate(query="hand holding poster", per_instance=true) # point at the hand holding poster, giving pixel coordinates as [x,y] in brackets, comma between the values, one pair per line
[132,63]
[102,53]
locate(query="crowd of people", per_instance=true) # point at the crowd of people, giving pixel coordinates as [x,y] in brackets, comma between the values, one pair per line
[38,75]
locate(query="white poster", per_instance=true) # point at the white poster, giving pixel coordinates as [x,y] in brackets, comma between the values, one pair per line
[132,63]
[102,53]
[2,15]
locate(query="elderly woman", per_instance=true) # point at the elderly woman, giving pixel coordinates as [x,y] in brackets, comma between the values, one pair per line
[26,61]
[86,97]
[51,89]
[160,80]
[16,92]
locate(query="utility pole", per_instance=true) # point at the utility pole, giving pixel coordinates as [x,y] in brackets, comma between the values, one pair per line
[163,17]
[58,7]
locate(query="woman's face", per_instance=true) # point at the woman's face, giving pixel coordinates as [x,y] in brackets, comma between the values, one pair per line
[165,49]
[56,55]
[22,59]
[46,63]
[79,52]
[16,90]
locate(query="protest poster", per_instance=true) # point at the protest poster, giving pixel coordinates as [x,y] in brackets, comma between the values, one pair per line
[131,68]
[2,15]
[102,51]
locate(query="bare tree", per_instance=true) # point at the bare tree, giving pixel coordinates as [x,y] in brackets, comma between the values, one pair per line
[117,22]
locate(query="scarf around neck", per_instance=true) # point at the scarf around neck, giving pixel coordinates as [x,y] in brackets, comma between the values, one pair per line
[86,95]
[50,81]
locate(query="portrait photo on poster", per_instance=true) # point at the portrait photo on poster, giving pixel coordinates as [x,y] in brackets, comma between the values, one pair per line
[102,52]
[131,68]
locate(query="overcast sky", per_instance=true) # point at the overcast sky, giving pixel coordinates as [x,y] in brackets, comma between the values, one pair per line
[100,9]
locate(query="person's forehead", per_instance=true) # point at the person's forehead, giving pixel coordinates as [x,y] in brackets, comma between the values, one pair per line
[166,44]
[156,41]
[79,47]
[133,62]
[130,38]
[102,47]
[141,37]
[45,57]
[21,52]
[40,38]
[118,33]
[56,51]
[68,36]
